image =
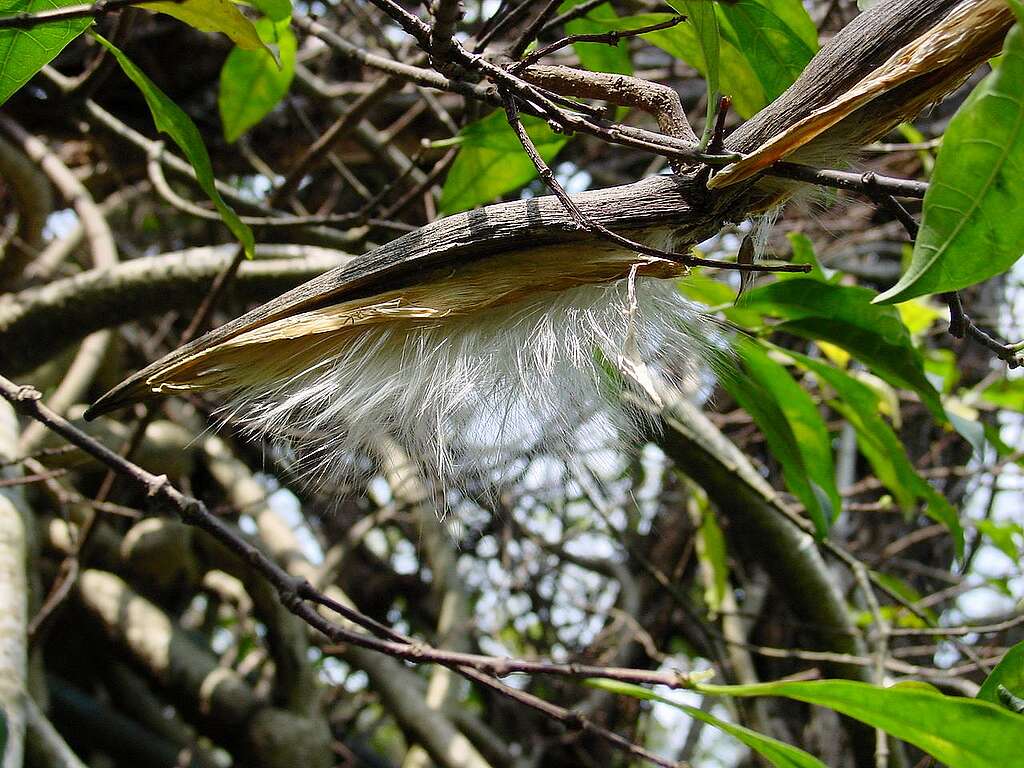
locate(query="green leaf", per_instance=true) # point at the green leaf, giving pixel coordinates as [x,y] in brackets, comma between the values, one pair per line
[701,286]
[1003,535]
[598,57]
[777,37]
[858,404]
[252,83]
[809,431]
[3,731]
[1005,393]
[763,46]
[212,16]
[737,79]
[169,118]
[968,232]
[711,552]
[275,10]
[845,316]
[702,16]
[959,732]
[803,253]
[776,752]
[492,162]
[23,52]
[900,615]
[796,435]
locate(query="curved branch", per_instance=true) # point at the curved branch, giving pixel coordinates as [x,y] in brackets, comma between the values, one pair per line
[763,526]
[38,322]
[33,200]
[230,709]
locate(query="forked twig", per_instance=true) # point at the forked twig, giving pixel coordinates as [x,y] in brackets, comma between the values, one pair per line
[589,225]
[612,37]
[960,323]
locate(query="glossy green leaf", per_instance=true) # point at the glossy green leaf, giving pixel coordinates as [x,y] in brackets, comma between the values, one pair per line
[968,232]
[736,77]
[883,449]
[1009,673]
[170,119]
[796,435]
[275,10]
[712,554]
[704,20]
[763,46]
[845,316]
[491,161]
[23,52]
[212,16]
[813,441]
[598,57]
[252,83]
[777,37]
[776,752]
[958,732]
[1005,393]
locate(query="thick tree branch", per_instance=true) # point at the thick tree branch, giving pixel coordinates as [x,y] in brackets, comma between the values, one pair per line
[38,322]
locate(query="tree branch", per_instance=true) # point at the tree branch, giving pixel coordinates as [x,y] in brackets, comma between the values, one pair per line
[38,322]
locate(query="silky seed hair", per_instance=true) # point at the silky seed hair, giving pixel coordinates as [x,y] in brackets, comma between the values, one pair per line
[465,395]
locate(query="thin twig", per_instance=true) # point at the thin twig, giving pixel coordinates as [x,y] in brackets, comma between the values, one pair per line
[29,19]
[960,323]
[533,29]
[589,225]
[608,38]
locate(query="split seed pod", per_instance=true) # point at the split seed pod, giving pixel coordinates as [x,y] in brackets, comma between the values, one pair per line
[499,331]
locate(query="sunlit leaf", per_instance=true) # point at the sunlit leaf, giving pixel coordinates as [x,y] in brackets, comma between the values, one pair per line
[1006,393]
[212,16]
[845,316]
[776,752]
[959,732]
[859,405]
[1004,535]
[252,83]
[492,162]
[789,421]
[712,554]
[275,10]
[23,52]
[704,20]
[966,233]
[169,118]
[737,79]
[777,37]
[598,57]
